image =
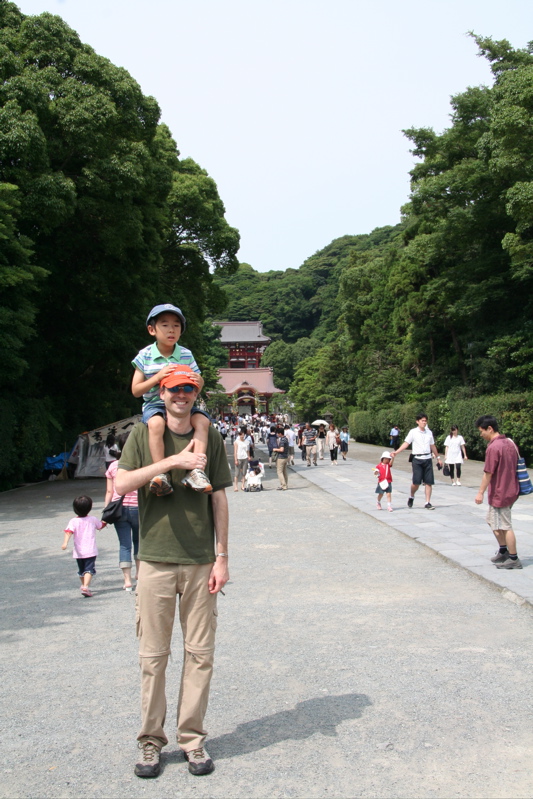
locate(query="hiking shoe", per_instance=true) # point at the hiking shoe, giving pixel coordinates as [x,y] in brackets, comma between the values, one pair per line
[510,564]
[199,762]
[429,506]
[410,502]
[500,557]
[161,486]
[148,765]
[198,481]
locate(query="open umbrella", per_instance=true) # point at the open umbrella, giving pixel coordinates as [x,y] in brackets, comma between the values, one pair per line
[320,421]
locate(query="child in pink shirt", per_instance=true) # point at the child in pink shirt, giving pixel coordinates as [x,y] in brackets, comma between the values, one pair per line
[384,474]
[84,528]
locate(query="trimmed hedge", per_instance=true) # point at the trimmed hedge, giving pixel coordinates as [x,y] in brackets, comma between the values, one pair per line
[513,411]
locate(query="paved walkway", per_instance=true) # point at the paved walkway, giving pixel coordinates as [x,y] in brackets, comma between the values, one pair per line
[456,529]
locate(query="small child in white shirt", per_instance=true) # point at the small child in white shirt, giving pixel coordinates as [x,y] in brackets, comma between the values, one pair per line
[84,528]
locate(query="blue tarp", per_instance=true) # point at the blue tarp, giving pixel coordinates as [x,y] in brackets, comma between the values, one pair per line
[56,462]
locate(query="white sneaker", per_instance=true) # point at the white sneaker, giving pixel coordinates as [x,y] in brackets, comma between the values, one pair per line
[161,486]
[453,482]
[198,480]
[458,483]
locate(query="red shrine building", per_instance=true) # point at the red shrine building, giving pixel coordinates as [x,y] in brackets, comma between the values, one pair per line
[245,343]
[244,380]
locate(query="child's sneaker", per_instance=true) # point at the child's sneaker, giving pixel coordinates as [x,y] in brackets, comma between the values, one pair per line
[378,505]
[389,508]
[160,485]
[86,591]
[197,480]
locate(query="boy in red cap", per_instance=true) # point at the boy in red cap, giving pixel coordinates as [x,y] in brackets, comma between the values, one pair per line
[152,364]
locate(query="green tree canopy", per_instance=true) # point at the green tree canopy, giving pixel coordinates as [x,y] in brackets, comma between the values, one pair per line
[99,219]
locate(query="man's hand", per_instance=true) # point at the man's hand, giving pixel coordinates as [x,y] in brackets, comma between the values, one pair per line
[219,575]
[479,498]
[187,459]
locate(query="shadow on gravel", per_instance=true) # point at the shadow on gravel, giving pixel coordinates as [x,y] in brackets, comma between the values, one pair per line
[44,591]
[322,715]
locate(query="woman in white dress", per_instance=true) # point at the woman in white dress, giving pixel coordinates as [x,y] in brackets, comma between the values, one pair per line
[454,454]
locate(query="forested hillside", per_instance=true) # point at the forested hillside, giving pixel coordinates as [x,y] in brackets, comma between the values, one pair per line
[439,306]
[99,219]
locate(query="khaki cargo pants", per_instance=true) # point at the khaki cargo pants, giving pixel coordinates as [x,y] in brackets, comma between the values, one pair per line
[157,589]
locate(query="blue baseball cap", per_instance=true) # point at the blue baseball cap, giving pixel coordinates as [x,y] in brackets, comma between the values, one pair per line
[159,309]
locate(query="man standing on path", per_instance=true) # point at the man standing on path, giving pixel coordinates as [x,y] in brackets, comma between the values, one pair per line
[183,552]
[281,462]
[291,438]
[499,475]
[423,444]
[309,440]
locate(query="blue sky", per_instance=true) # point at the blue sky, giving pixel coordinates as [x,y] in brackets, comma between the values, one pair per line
[296,107]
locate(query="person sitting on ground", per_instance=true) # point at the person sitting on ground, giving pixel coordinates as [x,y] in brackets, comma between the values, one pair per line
[384,474]
[166,323]
[254,476]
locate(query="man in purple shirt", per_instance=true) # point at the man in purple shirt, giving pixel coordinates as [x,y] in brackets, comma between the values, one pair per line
[499,476]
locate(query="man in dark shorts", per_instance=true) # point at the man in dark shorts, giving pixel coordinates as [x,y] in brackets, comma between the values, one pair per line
[423,444]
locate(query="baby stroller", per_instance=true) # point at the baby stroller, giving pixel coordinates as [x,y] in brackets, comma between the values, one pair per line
[254,476]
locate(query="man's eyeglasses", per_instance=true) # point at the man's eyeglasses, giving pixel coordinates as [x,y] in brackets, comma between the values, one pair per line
[186,389]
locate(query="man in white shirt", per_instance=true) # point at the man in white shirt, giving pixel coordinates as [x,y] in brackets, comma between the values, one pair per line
[421,439]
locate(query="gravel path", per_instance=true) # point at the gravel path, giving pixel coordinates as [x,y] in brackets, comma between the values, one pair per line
[351,662]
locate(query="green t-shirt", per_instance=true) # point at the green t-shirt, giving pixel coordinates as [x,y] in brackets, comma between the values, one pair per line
[177,528]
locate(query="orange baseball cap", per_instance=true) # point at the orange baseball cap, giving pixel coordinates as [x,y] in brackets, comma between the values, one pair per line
[182,376]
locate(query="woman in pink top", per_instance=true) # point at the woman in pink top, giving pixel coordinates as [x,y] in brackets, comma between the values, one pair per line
[127,527]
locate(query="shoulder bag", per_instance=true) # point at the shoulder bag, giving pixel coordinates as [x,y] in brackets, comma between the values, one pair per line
[524,483]
[113,511]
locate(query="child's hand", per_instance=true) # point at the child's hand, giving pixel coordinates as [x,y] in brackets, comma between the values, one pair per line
[63,546]
[165,371]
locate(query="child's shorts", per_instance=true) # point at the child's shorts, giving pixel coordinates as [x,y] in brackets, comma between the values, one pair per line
[387,490]
[86,565]
[159,408]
